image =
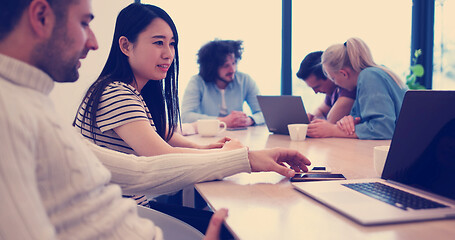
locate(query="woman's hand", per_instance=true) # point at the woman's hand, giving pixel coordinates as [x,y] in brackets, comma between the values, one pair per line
[218,144]
[347,124]
[232,145]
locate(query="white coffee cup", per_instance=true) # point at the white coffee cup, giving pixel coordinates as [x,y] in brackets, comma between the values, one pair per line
[297,132]
[380,156]
[210,127]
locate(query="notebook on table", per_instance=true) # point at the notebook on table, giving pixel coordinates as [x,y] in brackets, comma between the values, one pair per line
[418,180]
[279,111]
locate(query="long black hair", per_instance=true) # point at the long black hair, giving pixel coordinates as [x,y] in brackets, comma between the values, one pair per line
[160,97]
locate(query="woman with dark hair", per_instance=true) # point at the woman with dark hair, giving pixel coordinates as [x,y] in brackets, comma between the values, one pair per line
[133,105]
[133,108]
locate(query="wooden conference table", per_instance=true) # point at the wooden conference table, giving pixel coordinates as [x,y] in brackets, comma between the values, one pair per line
[265,205]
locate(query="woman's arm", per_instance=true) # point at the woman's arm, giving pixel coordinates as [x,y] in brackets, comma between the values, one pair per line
[377,105]
[341,108]
[145,141]
[178,140]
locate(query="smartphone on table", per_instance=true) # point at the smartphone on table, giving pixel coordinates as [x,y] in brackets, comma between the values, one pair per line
[319,169]
[236,128]
[304,177]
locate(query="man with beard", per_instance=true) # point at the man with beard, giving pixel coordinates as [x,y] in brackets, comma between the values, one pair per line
[219,90]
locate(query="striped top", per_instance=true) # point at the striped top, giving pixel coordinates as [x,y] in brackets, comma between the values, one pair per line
[119,104]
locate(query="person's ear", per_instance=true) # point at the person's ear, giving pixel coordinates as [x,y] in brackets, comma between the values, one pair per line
[125,45]
[41,17]
[344,73]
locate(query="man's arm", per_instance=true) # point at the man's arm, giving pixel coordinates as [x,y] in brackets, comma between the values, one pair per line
[341,108]
[321,111]
[167,173]
[191,103]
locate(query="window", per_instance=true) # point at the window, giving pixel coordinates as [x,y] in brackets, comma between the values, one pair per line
[444,45]
[256,22]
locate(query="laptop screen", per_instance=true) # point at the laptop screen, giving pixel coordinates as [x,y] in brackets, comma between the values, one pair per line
[422,152]
[279,111]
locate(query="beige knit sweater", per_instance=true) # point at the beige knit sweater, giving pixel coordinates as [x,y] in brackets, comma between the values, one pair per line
[53,185]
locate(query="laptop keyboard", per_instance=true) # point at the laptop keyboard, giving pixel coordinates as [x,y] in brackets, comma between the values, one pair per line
[393,196]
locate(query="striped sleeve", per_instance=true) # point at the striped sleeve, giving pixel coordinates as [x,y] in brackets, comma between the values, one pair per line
[119,105]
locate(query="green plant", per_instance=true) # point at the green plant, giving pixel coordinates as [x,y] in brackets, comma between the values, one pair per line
[416,70]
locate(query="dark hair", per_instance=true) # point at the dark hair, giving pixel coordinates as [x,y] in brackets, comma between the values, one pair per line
[311,64]
[12,10]
[158,96]
[213,55]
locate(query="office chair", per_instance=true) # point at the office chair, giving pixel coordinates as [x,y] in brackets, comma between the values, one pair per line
[172,227]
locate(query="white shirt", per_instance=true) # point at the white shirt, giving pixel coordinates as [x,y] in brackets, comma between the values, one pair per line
[223,107]
[54,187]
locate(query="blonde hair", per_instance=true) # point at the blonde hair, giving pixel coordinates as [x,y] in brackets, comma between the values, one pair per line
[354,53]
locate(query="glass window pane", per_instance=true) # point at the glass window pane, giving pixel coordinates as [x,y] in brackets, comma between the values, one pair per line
[444,45]
[256,22]
[384,25]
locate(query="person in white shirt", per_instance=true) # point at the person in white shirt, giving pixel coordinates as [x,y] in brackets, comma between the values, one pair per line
[52,183]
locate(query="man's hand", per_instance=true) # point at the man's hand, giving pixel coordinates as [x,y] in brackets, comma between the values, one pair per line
[214,228]
[237,119]
[268,160]
[319,128]
[310,117]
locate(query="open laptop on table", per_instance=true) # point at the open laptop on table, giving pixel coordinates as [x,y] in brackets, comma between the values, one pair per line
[279,111]
[419,173]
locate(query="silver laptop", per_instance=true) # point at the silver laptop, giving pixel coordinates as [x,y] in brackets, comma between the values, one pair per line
[418,180]
[279,111]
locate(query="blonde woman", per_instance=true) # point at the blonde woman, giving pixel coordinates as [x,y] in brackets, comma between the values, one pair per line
[380,93]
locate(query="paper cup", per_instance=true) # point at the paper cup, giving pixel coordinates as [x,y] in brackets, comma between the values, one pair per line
[380,156]
[297,132]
